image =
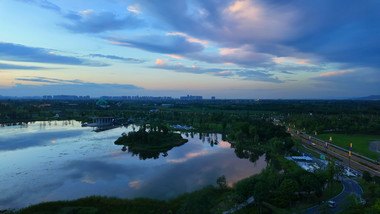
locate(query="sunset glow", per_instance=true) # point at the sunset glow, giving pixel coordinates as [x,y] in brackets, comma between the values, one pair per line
[189,47]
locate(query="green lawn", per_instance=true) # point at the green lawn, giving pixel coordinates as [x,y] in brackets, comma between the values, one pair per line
[360,143]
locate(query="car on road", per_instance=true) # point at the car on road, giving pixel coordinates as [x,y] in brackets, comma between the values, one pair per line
[331,204]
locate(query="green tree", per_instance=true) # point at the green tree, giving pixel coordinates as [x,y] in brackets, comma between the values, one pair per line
[366,176]
[288,189]
[222,182]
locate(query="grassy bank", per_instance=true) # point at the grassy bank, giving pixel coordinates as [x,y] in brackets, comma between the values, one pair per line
[360,143]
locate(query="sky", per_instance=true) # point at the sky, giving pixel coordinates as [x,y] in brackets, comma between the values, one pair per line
[244,49]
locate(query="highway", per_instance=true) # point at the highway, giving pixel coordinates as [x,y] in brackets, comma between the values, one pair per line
[357,161]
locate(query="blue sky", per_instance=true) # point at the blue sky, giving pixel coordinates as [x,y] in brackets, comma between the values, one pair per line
[223,48]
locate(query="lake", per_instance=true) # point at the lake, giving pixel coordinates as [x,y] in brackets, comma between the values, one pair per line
[60,160]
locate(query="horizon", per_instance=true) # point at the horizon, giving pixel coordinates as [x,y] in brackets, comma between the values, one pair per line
[58,97]
[244,49]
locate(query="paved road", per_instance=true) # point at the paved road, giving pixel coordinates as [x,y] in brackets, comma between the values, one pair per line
[355,162]
[341,200]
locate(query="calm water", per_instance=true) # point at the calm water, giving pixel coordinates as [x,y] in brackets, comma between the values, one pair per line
[63,161]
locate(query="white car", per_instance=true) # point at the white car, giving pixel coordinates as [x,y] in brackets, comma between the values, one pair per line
[331,204]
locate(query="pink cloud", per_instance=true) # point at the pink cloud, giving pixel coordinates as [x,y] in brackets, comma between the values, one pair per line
[188,38]
[250,19]
[175,56]
[224,144]
[292,60]
[228,51]
[224,72]
[135,184]
[336,73]
[187,157]
[160,62]
[134,8]
[196,154]
[302,63]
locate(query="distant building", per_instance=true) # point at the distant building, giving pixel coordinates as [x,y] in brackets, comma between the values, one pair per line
[65,97]
[212,98]
[190,97]
[102,121]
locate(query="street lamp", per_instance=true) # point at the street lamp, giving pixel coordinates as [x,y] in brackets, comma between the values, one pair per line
[349,155]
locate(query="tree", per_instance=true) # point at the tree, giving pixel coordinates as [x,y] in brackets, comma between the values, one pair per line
[288,189]
[366,176]
[309,183]
[222,182]
[331,171]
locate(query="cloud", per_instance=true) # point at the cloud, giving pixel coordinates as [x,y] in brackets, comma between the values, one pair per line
[189,156]
[245,74]
[21,53]
[161,64]
[286,72]
[43,4]
[336,73]
[134,8]
[188,38]
[124,59]
[175,56]
[258,75]
[243,56]
[170,44]
[90,22]
[285,28]
[18,67]
[49,80]
[29,86]
[229,22]
[348,83]
[92,171]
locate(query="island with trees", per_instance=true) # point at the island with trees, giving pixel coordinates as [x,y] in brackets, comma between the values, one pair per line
[150,144]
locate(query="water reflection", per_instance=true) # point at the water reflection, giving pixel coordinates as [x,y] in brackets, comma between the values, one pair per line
[146,154]
[211,138]
[64,162]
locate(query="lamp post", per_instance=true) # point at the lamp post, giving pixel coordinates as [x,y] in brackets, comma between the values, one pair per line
[349,156]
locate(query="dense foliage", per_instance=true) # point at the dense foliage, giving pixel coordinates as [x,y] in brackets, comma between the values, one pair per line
[345,116]
[149,144]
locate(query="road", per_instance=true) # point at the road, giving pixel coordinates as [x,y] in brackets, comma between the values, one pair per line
[349,187]
[355,161]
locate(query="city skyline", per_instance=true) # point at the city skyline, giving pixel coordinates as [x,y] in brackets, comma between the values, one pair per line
[228,49]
